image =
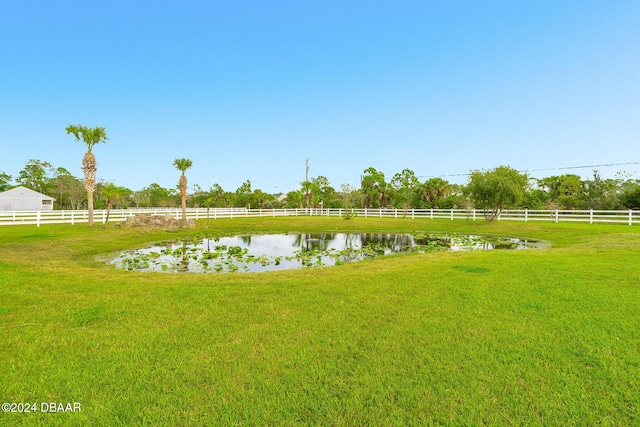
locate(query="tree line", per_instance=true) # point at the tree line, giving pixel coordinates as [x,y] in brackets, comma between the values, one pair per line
[501,187]
[490,190]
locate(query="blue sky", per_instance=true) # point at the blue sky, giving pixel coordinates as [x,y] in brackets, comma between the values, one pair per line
[250,89]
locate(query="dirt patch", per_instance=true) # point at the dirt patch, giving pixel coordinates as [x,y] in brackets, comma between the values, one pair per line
[166,222]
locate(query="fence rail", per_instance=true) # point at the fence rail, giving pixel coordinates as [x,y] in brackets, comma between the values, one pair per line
[117,215]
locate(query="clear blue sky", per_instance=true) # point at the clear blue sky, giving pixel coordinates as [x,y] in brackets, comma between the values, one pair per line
[249,89]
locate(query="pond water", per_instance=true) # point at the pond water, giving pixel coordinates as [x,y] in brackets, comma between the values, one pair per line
[271,252]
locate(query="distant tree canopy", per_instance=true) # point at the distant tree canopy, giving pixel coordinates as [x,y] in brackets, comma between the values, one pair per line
[5,181]
[405,185]
[492,190]
[631,198]
[36,175]
[434,191]
[374,188]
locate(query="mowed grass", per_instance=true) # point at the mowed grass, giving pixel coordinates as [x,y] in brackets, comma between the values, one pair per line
[538,337]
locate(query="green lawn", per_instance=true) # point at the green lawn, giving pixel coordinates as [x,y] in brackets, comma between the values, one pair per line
[539,337]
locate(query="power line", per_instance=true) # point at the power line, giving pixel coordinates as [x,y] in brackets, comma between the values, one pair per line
[585,167]
[289,183]
[545,169]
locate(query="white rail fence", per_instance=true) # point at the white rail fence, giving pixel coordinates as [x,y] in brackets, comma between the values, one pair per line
[117,215]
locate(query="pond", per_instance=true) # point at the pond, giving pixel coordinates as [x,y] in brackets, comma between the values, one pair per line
[271,252]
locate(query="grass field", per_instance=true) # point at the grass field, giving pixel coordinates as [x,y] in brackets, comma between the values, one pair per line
[538,337]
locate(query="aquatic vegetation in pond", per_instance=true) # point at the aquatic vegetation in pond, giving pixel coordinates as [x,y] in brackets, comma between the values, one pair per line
[290,251]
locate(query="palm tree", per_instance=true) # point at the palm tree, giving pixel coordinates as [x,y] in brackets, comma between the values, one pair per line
[91,137]
[207,204]
[182,165]
[434,190]
[111,192]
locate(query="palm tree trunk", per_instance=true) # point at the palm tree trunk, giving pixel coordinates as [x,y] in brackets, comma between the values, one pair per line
[108,212]
[90,207]
[89,168]
[183,193]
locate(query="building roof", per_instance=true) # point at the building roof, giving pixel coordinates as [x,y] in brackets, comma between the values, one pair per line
[21,192]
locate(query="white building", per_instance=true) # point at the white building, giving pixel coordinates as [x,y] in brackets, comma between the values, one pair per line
[24,199]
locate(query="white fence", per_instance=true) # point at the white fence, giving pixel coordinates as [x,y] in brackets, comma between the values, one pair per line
[116,215]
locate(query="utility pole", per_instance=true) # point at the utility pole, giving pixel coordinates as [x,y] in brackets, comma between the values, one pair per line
[306,163]
[306,182]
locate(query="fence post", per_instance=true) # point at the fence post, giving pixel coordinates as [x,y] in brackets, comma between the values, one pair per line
[474,214]
[526,215]
[630,216]
[413,214]
[431,216]
[590,216]
[451,214]
[38,218]
[72,220]
[365,212]
[556,216]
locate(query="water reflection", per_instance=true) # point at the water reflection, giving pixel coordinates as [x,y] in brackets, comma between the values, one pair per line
[290,251]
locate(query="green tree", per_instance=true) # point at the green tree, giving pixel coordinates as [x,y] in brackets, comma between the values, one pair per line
[565,191]
[5,181]
[158,196]
[458,197]
[631,197]
[308,189]
[112,193]
[497,189]
[68,189]
[535,198]
[374,188]
[243,195]
[182,165]
[349,197]
[141,197]
[261,199]
[324,192]
[36,175]
[198,196]
[433,191]
[295,199]
[219,196]
[90,137]
[602,193]
[208,203]
[405,184]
